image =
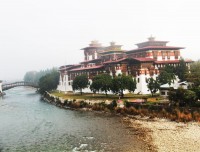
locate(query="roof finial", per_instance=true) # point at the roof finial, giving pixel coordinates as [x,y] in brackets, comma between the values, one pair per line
[94,43]
[112,43]
[151,38]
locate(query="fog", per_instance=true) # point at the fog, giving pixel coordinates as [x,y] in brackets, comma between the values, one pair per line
[41,34]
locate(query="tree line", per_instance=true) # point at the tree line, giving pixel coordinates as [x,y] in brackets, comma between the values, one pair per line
[34,76]
[47,80]
[105,83]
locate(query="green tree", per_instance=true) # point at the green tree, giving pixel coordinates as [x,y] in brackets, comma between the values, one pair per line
[182,70]
[167,75]
[106,83]
[194,74]
[182,97]
[131,83]
[197,91]
[153,85]
[102,82]
[189,97]
[121,83]
[80,82]
[96,84]
[49,82]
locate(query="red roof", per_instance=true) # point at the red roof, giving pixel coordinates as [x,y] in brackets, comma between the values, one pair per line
[172,61]
[155,48]
[144,59]
[114,61]
[88,68]
[65,67]
[151,42]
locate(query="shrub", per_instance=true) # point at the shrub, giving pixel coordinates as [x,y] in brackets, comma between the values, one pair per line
[96,107]
[83,104]
[127,104]
[112,105]
[182,97]
[75,105]
[132,111]
[183,116]
[196,116]
[117,109]
[69,103]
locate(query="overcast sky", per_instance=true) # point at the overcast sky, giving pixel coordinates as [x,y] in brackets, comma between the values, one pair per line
[40,34]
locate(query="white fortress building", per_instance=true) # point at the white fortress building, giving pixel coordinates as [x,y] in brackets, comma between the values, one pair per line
[142,63]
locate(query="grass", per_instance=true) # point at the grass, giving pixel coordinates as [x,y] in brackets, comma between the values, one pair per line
[92,96]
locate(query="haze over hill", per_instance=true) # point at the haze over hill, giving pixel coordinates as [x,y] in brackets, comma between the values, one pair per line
[36,35]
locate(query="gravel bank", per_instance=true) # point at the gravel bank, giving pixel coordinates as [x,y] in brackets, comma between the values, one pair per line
[167,136]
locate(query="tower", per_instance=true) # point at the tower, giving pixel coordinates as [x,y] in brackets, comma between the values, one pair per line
[91,52]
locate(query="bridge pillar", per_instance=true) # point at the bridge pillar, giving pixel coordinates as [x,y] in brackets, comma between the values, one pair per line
[0,86]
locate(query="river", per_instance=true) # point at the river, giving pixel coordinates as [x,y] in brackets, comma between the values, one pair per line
[29,124]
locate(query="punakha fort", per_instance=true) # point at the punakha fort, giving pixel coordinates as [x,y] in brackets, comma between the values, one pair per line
[142,63]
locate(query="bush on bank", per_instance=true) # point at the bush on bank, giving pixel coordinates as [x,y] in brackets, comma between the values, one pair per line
[178,114]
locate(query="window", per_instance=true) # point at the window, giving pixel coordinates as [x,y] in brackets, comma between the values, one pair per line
[162,92]
[138,80]
[176,54]
[168,55]
[163,55]
[69,83]
[155,54]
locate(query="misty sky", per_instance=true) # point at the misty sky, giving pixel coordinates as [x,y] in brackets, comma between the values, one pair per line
[40,34]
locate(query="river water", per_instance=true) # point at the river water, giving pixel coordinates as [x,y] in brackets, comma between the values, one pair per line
[29,124]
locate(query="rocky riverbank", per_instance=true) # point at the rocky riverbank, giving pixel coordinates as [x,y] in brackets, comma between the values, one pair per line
[168,136]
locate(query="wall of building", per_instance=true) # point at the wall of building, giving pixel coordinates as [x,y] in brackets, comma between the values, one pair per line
[64,84]
[141,87]
[158,55]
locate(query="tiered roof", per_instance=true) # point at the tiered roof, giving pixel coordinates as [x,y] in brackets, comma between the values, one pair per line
[152,44]
[113,48]
[93,44]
